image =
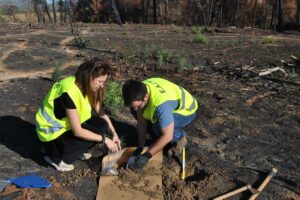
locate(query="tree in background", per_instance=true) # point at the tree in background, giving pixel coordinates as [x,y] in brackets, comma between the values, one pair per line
[46,9]
[275,14]
[54,11]
[279,15]
[298,14]
[41,6]
[38,10]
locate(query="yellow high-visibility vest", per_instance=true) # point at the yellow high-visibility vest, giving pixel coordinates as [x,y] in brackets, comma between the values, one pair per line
[48,127]
[160,91]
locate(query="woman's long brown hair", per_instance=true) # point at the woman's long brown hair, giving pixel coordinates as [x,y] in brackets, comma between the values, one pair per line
[89,70]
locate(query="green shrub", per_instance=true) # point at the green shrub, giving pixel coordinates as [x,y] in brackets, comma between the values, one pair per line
[268,40]
[163,55]
[177,29]
[197,29]
[148,51]
[155,31]
[157,52]
[113,96]
[56,75]
[200,38]
[181,63]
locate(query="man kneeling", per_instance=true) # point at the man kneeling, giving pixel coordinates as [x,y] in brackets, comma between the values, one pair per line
[167,106]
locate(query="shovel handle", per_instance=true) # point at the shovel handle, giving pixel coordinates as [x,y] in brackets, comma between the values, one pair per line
[234,192]
[264,183]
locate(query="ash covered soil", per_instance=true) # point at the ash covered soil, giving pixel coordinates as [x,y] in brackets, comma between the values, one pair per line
[245,125]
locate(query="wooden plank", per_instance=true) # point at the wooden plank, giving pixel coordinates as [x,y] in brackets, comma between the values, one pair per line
[129,185]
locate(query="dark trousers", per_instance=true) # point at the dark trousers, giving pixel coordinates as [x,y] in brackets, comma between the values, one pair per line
[69,148]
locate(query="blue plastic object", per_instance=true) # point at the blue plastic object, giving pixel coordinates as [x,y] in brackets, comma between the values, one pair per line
[31,181]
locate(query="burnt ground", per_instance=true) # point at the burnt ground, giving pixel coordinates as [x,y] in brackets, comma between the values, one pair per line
[245,125]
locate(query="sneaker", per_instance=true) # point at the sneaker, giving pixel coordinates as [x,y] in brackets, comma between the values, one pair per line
[86,156]
[62,166]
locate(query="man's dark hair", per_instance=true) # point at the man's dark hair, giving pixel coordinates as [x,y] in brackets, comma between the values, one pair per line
[133,90]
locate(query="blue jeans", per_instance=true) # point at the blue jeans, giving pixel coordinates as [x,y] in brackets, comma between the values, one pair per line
[180,121]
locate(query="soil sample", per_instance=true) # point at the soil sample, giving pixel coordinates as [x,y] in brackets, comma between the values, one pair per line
[128,185]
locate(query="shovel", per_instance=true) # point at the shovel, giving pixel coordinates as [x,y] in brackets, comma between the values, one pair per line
[109,165]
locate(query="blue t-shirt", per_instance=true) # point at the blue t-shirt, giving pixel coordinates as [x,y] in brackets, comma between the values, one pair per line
[164,113]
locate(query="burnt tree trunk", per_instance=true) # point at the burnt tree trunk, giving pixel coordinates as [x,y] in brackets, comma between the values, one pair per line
[116,12]
[213,14]
[220,16]
[279,16]
[266,14]
[147,11]
[245,12]
[36,7]
[298,14]
[61,11]
[65,11]
[154,12]
[47,10]
[254,14]
[54,11]
[210,13]
[200,7]
[97,10]
[271,26]
[166,11]
[236,23]
[143,10]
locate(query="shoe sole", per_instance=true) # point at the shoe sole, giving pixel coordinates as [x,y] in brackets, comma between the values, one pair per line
[58,168]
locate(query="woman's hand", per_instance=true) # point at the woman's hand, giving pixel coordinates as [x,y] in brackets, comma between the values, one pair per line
[117,140]
[112,146]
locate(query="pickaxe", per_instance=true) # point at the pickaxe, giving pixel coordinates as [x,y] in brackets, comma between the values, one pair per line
[255,192]
[237,191]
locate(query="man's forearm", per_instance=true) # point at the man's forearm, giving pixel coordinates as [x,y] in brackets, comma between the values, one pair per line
[141,134]
[141,128]
[159,144]
[167,136]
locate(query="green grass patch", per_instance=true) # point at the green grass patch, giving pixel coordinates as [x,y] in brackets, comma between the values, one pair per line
[200,38]
[163,55]
[56,75]
[197,29]
[177,29]
[158,52]
[155,31]
[181,63]
[268,40]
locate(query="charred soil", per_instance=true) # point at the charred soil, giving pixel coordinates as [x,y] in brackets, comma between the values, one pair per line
[246,123]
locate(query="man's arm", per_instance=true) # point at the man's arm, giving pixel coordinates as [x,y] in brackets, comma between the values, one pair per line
[141,128]
[164,114]
[167,136]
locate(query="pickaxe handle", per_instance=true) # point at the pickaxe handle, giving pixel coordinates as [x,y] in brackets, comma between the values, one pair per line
[264,183]
[234,192]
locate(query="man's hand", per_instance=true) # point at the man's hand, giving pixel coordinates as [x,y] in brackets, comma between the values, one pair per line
[132,158]
[139,161]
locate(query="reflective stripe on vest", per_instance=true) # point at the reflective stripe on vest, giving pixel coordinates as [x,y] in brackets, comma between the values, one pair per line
[192,106]
[55,125]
